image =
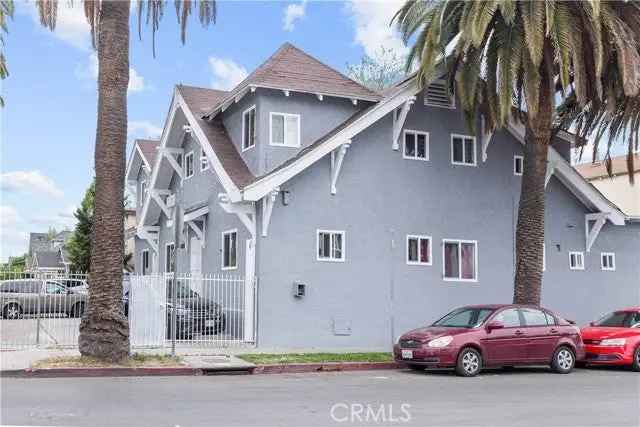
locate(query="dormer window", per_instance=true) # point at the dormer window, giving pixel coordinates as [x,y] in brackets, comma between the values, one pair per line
[249,128]
[438,94]
[284,129]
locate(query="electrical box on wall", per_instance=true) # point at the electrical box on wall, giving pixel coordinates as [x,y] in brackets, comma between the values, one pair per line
[299,289]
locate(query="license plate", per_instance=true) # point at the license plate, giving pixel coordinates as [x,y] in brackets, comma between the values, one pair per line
[407,354]
[209,323]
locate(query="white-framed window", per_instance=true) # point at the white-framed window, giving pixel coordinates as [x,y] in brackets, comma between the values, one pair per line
[330,245]
[230,249]
[416,145]
[169,261]
[284,129]
[608,261]
[143,192]
[576,260]
[204,161]
[463,150]
[145,262]
[188,165]
[249,128]
[460,260]
[518,165]
[418,250]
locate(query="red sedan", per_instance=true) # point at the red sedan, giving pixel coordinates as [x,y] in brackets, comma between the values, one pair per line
[470,338]
[614,339]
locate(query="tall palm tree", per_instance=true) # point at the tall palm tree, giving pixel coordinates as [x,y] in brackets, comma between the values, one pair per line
[104,331]
[513,60]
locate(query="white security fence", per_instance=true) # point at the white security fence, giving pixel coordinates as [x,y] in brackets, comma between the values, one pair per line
[163,310]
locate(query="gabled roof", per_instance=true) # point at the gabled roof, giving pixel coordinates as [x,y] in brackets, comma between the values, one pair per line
[48,259]
[599,170]
[143,153]
[289,68]
[198,100]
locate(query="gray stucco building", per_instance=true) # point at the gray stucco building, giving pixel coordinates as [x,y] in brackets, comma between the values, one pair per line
[384,206]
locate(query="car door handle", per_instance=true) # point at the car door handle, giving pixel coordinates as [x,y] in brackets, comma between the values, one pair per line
[554,331]
[518,333]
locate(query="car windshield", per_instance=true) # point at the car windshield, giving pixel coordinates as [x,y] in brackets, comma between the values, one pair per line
[465,317]
[182,291]
[620,319]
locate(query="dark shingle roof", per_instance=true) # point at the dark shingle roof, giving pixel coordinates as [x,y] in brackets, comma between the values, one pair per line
[49,259]
[149,149]
[289,68]
[199,100]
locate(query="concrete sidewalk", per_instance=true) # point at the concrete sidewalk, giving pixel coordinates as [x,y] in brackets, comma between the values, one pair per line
[206,359]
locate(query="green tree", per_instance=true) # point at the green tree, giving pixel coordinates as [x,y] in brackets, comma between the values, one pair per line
[79,246]
[104,331]
[514,56]
[378,72]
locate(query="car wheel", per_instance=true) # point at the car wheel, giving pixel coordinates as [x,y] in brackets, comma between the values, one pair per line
[414,367]
[77,310]
[563,360]
[12,311]
[636,360]
[469,362]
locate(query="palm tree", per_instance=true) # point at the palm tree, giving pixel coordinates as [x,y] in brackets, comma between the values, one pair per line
[513,60]
[104,331]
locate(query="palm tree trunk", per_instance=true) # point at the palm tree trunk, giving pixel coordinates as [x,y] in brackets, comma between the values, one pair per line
[531,209]
[104,331]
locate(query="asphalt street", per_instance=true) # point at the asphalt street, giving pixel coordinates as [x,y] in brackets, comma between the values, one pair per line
[524,397]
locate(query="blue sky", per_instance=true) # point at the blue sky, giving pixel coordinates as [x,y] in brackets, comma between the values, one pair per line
[47,128]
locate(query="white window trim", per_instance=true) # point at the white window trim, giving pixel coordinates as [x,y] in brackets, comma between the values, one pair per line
[613,261]
[417,236]
[193,166]
[581,254]
[475,149]
[143,190]
[426,146]
[255,121]
[475,260]
[342,252]
[204,160]
[166,265]
[142,266]
[515,162]
[224,233]
[274,113]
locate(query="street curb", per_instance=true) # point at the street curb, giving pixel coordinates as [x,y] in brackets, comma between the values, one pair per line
[296,368]
[100,372]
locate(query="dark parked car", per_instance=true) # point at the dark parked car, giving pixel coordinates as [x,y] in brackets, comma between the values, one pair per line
[208,317]
[40,296]
[470,338]
[184,319]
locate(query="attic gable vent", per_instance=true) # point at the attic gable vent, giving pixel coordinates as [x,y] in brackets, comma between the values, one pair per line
[438,94]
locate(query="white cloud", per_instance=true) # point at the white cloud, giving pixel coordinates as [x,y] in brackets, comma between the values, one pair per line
[292,13]
[89,71]
[33,182]
[71,24]
[14,241]
[372,29]
[144,129]
[226,73]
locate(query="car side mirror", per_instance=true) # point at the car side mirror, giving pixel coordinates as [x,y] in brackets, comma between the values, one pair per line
[592,323]
[496,324]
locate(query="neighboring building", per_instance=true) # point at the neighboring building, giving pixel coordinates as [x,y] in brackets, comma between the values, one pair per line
[48,253]
[130,236]
[616,187]
[383,205]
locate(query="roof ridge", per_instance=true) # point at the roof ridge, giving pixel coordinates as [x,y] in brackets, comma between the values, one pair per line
[331,68]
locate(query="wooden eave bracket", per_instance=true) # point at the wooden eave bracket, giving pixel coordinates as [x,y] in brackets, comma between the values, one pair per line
[337,158]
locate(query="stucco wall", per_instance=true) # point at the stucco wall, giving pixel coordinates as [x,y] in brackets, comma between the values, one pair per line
[381,198]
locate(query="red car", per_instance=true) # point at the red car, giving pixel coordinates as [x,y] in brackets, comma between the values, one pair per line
[470,338]
[614,339]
